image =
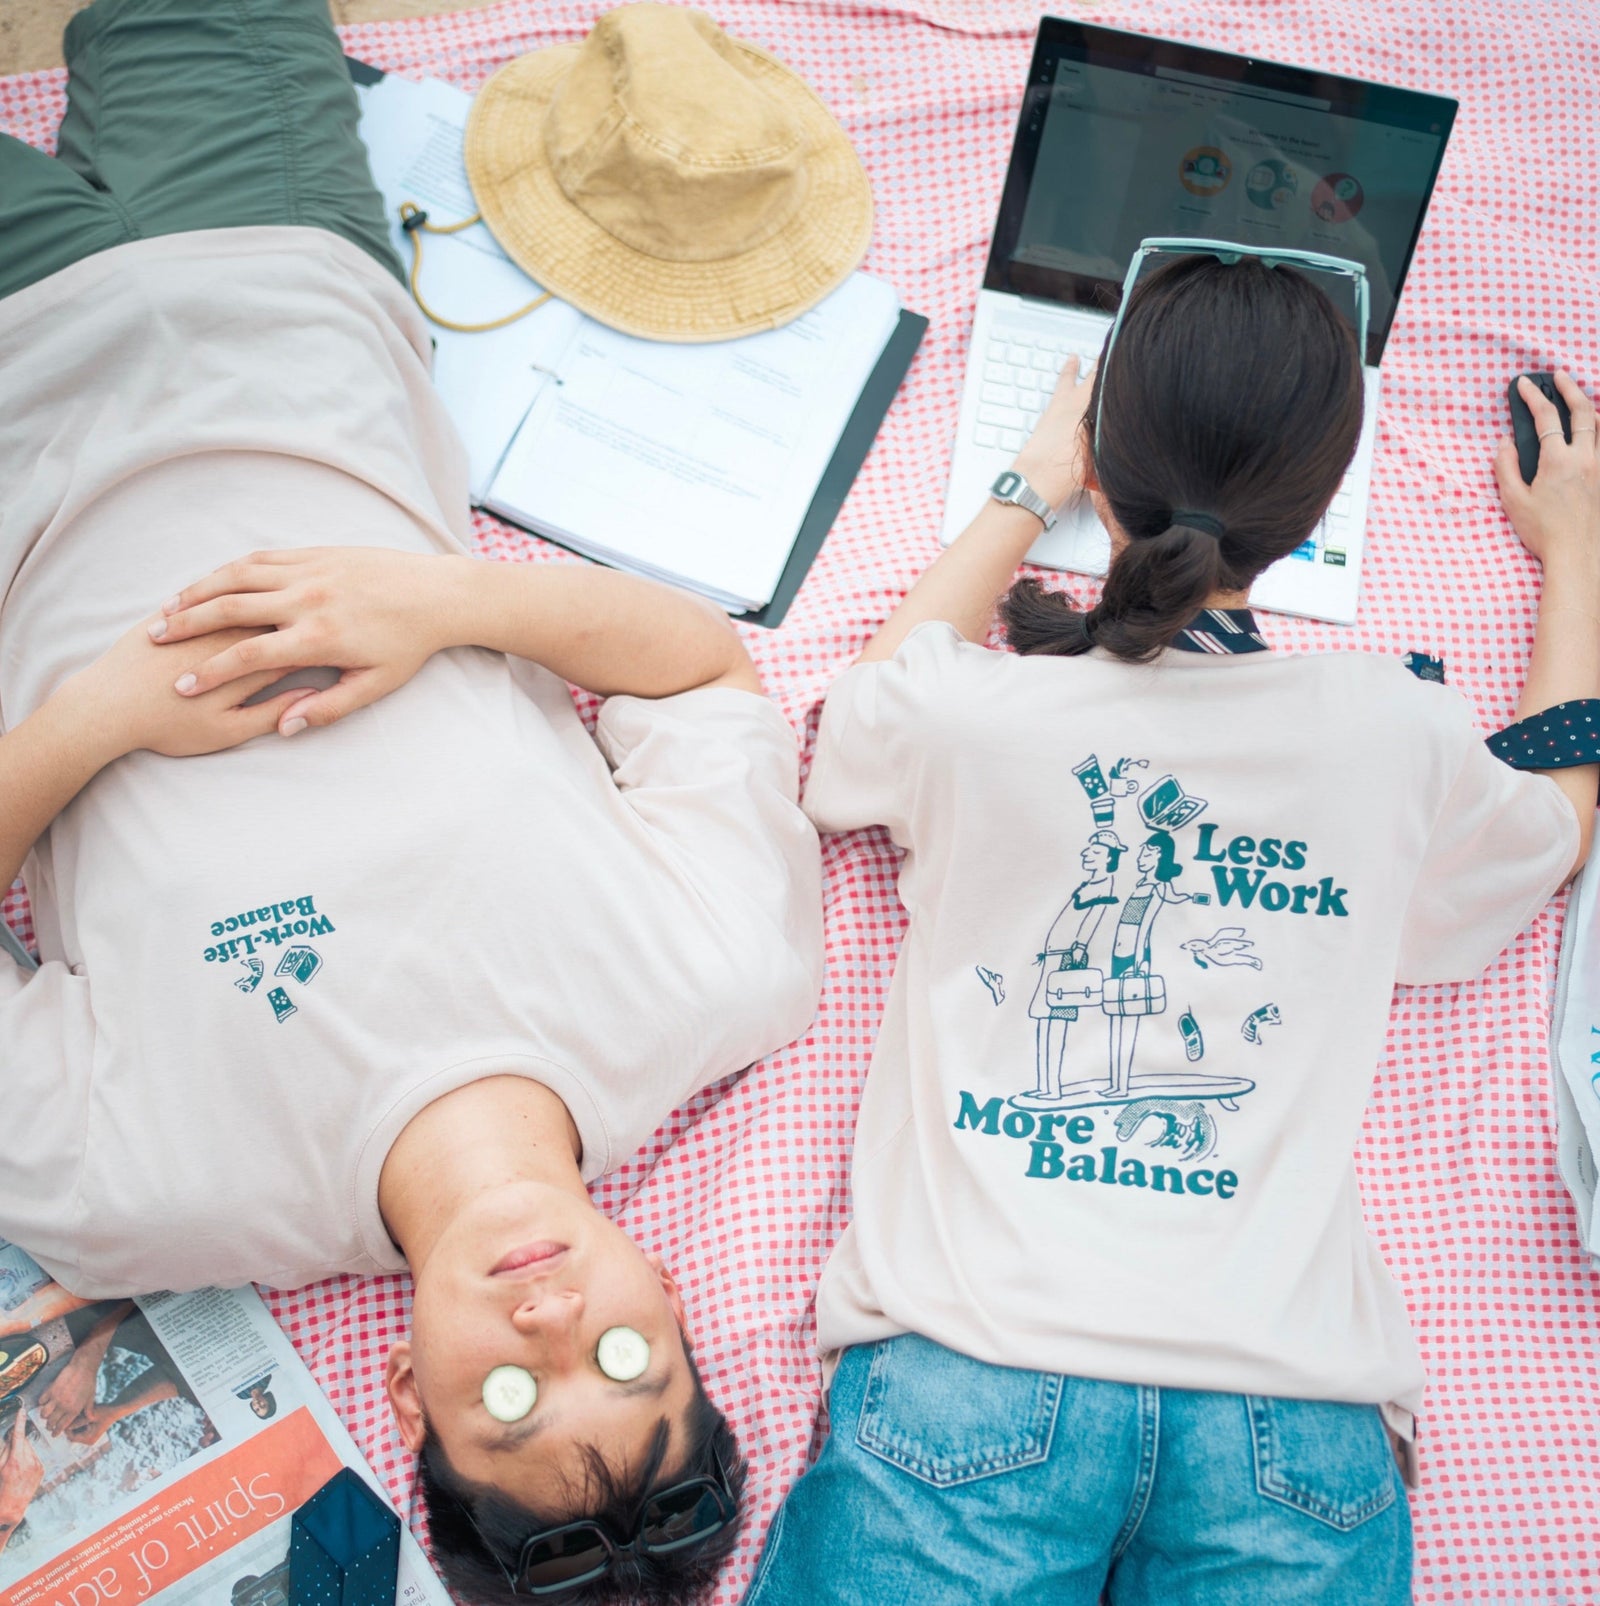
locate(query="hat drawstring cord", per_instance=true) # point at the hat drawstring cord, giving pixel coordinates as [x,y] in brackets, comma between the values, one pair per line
[414,223]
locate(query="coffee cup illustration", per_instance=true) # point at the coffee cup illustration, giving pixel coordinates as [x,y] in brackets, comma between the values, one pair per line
[1096,788]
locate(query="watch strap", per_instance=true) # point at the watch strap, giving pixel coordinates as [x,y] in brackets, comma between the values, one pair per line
[1011,488]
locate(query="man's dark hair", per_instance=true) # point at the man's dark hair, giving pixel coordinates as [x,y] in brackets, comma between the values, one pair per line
[1233,392]
[477,1533]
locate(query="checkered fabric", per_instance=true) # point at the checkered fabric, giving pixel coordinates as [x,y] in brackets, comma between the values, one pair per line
[746,1188]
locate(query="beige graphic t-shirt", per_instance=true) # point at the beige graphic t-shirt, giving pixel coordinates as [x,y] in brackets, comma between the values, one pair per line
[259,965]
[1156,915]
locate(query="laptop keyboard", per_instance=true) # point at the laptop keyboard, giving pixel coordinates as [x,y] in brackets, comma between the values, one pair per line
[1019,373]
[1020,366]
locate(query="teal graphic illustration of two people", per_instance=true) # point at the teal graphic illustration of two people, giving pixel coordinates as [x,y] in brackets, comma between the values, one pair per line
[1131,988]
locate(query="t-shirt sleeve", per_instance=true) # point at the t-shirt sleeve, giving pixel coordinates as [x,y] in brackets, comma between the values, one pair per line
[46,1056]
[1500,847]
[878,721]
[714,775]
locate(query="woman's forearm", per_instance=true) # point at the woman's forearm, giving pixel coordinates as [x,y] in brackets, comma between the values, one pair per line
[962,585]
[965,581]
[1565,665]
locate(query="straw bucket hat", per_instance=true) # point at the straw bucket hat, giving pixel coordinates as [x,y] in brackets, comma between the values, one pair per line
[668,180]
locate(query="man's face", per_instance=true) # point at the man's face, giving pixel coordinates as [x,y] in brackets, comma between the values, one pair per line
[531,1276]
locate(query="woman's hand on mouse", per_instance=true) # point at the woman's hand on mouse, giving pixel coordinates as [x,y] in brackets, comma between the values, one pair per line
[1054,459]
[1557,517]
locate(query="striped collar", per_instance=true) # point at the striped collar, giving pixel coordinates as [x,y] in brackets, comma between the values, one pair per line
[1221,630]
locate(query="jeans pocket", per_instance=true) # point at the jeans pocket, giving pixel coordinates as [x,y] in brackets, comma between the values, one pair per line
[1328,1459]
[948,1419]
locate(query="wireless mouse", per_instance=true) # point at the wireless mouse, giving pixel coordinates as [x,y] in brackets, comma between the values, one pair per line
[1526,431]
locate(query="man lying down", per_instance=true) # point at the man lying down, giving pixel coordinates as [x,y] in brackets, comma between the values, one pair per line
[387,994]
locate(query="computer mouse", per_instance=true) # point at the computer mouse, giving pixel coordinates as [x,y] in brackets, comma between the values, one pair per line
[1526,431]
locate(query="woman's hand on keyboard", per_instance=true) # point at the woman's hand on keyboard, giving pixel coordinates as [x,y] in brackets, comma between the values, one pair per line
[1056,455]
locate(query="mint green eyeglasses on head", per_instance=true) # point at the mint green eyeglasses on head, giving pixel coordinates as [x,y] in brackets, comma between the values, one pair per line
[1343,281]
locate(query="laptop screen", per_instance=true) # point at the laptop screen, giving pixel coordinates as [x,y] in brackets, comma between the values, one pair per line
[1123,137]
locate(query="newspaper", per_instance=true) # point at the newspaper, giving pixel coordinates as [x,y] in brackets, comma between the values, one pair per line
[1575,1048]
[172,1438]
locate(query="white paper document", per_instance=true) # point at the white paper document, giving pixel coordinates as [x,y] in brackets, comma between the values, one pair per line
[689,463]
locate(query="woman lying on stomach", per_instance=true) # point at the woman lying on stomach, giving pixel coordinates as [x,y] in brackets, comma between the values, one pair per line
[1106,1324]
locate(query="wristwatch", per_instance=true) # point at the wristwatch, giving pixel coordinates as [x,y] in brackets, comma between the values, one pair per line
[1015,491]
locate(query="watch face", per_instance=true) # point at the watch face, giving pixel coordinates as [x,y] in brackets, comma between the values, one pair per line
[1008,484]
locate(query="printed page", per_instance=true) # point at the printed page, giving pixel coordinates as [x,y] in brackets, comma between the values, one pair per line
[696,463]
[178,1434]
[413,132]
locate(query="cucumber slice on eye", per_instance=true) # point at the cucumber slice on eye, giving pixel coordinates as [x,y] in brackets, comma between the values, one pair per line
[509,1393]
[622,1353]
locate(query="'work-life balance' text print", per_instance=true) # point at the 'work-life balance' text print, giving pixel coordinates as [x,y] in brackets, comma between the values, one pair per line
[278,934]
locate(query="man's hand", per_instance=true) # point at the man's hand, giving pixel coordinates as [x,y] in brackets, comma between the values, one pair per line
[44,1304]
[375,614]
[21,1473]
[127,698]
[71,1394]
[122,702]
[90,1426]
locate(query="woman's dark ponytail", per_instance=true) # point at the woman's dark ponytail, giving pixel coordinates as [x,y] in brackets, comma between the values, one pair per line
[1229,415]
[1153,590]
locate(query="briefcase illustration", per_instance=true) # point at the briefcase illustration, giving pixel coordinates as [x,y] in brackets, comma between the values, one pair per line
[1073,989]
[1134,995]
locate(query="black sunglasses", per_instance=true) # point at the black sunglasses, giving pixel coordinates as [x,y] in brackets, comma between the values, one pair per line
[681,1517]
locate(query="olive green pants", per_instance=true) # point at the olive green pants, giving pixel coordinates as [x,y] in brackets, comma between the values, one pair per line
[191,114]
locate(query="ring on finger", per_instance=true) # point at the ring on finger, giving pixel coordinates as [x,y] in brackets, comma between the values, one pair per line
[1545,434]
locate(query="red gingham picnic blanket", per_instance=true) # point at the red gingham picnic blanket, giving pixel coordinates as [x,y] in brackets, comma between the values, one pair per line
[745,1189]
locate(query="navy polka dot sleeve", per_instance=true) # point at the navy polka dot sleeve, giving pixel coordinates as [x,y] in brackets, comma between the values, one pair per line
[1559,738]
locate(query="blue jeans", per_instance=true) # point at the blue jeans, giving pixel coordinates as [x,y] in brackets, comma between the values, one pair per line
[949,1482]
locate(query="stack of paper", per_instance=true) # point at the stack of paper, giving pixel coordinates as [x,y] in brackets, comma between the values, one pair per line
[694,464]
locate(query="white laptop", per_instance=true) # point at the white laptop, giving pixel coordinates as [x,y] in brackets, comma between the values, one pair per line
[1124,137]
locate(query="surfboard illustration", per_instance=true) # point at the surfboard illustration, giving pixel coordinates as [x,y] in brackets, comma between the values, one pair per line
[1226,1090]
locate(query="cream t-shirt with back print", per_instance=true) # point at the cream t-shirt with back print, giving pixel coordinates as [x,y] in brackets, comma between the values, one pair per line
[1156,916]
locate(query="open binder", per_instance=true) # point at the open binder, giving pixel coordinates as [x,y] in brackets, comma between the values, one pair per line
[598,466]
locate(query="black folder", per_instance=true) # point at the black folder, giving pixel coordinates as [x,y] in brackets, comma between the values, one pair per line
[851,452]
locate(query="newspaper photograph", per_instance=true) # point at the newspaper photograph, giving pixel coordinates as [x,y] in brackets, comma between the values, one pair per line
[156,1449]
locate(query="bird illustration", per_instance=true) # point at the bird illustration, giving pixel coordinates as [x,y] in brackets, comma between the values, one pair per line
[1226,947]
[994,981]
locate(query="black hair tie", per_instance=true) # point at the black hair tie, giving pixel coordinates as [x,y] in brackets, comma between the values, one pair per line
[1203,522]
